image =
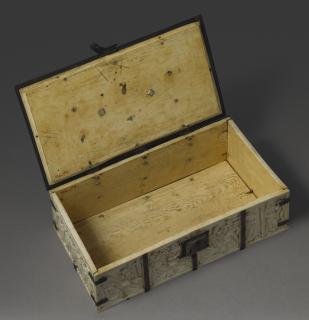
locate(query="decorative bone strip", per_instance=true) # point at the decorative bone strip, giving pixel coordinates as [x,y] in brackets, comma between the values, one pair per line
[146,272]
[243,230]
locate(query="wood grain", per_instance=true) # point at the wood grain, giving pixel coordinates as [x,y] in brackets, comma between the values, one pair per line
[140,223]
[249,165]
[262,221]
[103,108]
[157,222]
[146,172]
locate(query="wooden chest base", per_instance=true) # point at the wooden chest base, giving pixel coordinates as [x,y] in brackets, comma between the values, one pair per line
[130,243]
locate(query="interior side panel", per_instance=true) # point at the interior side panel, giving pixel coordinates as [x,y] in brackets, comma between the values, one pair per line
[135,204]
[249,165]
[142,222]
[146,172]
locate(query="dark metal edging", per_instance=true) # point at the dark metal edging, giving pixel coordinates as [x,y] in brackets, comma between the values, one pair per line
[99,303]
[96,282]
[146,146]
[283,222]
[243,231]
[146,273]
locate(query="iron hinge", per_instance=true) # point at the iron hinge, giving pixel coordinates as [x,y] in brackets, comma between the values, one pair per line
[103,50]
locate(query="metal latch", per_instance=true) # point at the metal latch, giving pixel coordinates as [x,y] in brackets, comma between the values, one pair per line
[193,245]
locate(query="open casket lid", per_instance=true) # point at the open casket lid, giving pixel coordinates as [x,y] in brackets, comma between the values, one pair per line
[115,105]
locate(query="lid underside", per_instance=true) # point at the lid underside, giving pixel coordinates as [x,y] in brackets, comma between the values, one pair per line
[89,114]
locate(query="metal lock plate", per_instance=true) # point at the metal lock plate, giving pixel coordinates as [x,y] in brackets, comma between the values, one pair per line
[193,245]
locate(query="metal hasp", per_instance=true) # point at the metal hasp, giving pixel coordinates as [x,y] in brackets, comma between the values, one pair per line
[191,247]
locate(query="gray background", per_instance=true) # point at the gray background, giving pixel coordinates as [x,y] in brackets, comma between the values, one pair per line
[261,53]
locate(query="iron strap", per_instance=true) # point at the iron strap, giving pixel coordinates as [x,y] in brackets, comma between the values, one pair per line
[243,240]
[146,272]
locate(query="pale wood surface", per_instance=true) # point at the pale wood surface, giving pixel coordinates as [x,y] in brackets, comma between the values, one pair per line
[144,221]
[93,112]
[146,172]
[249,165]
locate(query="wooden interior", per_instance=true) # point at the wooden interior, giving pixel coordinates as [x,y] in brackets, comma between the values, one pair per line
[94,112]
[144,173]
[141,201]
[139,223]
[249,164]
